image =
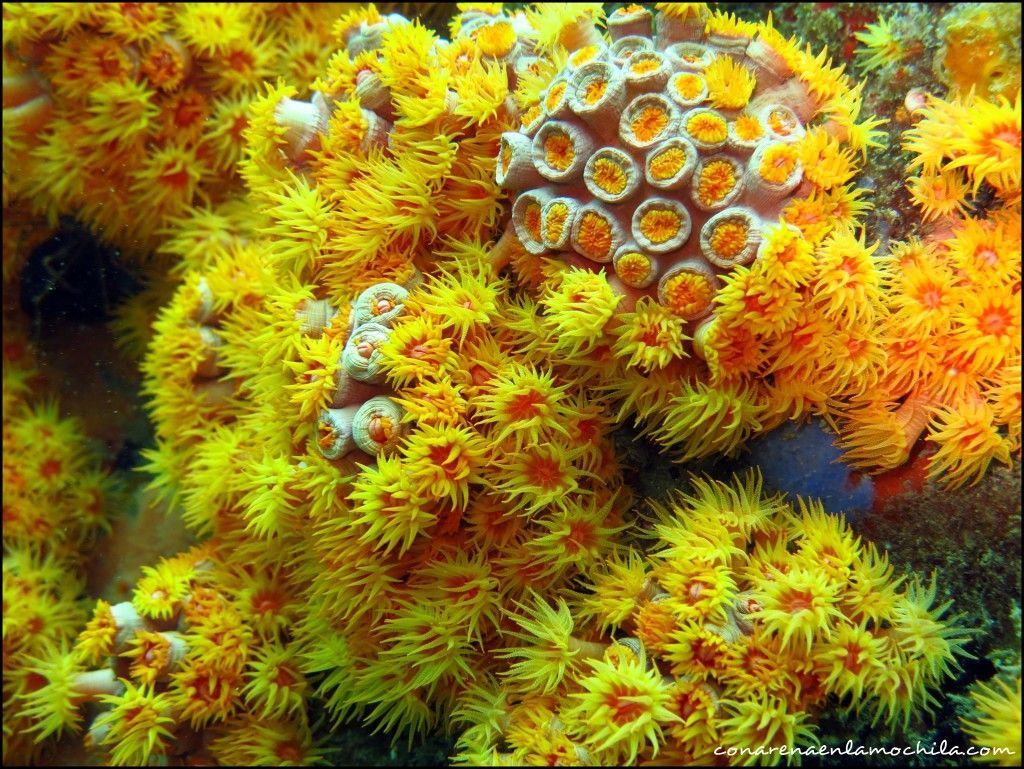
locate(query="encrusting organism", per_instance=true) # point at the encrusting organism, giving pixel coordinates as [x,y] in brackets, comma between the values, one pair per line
[951,331]
[746,616]
[110,110]
[57,502]
[694,173]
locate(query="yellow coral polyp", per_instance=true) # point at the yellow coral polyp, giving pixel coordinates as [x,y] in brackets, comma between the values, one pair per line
[778,163]
[729,238]
[730,84]
[622,707]
[595,235]
[649,123]
[660,225]
[938,195]
[650,336]
[717,180]
[595,90]
[688,294]
[666,163]
[998,727]
[707,127]
[968,442]
[559,151]
[555,96]
[444,461]
[882,46]
[496,39]
[688,85]
[634,268]
[522,403]
[610,176]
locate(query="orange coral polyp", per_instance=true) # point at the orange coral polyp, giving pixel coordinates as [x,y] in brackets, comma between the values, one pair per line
[555,222]
[595,90]
[529,116]
[610,176]
[730,238]
[555,96]
[688,85]
[559,151]
[642,65]
[634,268]
[778,163]
[717,180]
[532,220]
[688,294]
[649,123]
[748,128]
[667,163]
[583,55]
[595,235]
[659,225]
[781,122]
[707,128]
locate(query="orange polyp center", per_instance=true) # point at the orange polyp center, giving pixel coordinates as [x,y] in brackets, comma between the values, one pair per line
[931,297]
[526,405]
[595,236]
[554,97]
[380,429]
[659,225]
[529,116]
[780,122]
[626,705]
[689,86]
[667,163]
[994,322]
[497,39]
[609,176]
[730,238]
[506,157]
[649,123]
[798,600]
[595,90]
[50,468]
[531,218]
[558,150]
[633,268]
[555,222]
[704,652]
[707,128]
[544,472]
[327,435]
[987,256]
[688,294]
[643,65]
[777,163]
[717,180]
[365,349]
[583,55]
[748,128]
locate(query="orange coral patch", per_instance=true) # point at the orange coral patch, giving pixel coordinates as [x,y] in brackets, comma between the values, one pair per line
[667,163]
[649,123]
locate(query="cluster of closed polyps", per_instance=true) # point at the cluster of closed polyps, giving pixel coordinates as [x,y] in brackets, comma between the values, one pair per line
[659,156]
[362,416]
